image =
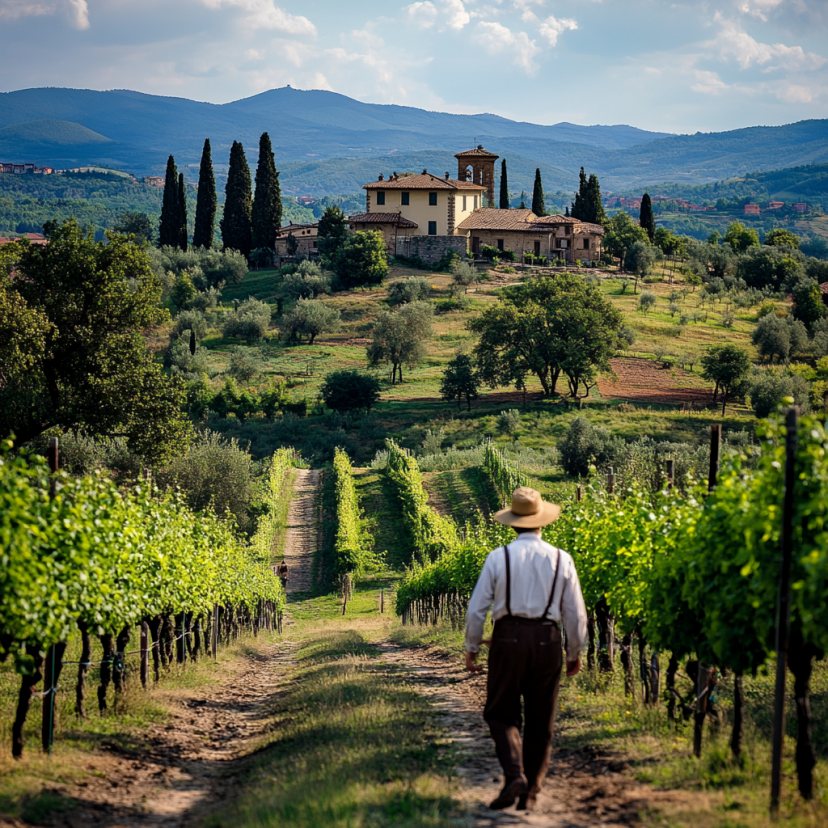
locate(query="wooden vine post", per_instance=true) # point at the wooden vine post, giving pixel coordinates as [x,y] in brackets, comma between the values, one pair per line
[54,655]
[783,609]
[706,677]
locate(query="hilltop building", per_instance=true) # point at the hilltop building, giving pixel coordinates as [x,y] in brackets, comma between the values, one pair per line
[303,237]
[428,217]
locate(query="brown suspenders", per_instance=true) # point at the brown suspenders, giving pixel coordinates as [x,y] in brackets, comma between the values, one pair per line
[509,585]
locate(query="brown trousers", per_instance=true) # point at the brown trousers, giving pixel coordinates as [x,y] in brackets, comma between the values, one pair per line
[525,661]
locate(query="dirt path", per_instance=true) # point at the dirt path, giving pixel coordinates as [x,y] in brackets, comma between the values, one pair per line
[169,776]
[583,789]
[302,538]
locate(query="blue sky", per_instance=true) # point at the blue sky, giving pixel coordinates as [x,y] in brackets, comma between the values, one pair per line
[673,65]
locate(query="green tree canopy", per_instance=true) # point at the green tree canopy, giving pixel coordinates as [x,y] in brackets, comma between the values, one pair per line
[345,391]
[808,306]
[205,214]
[779,237]
[169,234]
[460,381]
[769,267]
[400,337]
[309,318]
[621,234]
[362,260]
[740,238]
[236,228]
[547,326]
[135,224]
[267,202]
[646,219]
[332,232]
[728,367]
[87,304]
[182,212]
[538,203]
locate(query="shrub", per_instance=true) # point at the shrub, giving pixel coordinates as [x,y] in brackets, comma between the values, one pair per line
[413,289]
[508,422]
[768,388]
[190,320]
[309,317]
[584,445]
[243,365]
[646,301]
[249,322]
[214,473]
[345,391]
[362,260]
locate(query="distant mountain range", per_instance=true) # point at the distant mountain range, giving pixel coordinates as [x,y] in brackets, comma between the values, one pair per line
[327,143]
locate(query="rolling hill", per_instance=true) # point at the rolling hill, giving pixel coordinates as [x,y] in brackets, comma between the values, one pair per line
[327,143]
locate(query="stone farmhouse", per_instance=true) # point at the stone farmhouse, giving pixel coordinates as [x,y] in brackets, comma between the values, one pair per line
[300,237]
[428,216]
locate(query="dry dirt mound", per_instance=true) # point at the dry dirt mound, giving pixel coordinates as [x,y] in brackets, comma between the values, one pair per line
[644,381]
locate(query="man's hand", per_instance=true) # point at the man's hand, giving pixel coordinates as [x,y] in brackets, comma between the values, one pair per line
[572,667]
[471,663]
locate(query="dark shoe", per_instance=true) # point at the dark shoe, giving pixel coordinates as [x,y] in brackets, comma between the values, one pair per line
[527,802]
[512,790]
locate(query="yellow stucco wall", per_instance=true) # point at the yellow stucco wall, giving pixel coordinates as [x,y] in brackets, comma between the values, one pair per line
[420,211]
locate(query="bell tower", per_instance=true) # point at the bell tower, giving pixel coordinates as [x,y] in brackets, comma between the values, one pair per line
[477,165]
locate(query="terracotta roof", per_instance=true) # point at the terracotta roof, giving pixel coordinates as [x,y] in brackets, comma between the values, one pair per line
[477,152]
[590,227]
[422,181]
[491,218]
[289,228]
[382,218]
[824,288]
[554,219]
[525,221]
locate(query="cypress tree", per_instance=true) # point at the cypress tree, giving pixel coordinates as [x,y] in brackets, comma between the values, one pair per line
[267,202]
[168,227]
[504,187]
[538,206]
[205,214]
[594,203]
[645,217]
[236,231]
[579,208]
[182,212]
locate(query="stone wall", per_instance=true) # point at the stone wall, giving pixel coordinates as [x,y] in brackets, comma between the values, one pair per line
[430,249]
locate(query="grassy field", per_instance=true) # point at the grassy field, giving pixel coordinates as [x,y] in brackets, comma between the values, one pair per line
[406,411]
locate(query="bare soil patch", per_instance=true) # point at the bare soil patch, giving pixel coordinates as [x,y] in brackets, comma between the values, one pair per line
[585,787]
[170,776]
[642,380]
[302,539]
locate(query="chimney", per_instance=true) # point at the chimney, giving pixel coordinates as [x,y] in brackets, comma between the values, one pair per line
[425,171]
[380,177]
[447,175]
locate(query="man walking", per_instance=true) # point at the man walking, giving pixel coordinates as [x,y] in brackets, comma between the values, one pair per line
[534,593]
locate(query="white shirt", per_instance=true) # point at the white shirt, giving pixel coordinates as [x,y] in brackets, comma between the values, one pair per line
[532,571]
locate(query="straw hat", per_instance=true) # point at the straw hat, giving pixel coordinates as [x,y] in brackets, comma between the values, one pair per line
[528,511]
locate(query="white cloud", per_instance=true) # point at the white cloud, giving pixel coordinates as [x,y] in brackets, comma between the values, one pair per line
[422,14]
[551,28]
[426,14]
[733,43]
[794,93]
[708,83]
[456,14]
[76,10]
[759,8]
[265,14]
[497,39]
[79,13]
